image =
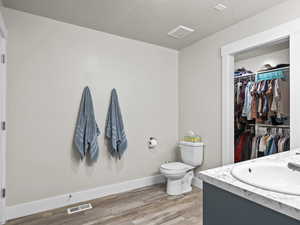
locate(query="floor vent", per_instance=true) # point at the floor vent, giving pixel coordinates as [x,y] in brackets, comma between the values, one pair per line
[79,208]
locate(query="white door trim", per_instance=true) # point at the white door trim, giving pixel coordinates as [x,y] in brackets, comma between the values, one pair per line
[3,36]
[294,88]
[227,110]
[3,30]
[287,30]
[2,129]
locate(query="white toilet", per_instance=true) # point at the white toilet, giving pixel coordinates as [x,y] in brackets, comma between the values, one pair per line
[180,175]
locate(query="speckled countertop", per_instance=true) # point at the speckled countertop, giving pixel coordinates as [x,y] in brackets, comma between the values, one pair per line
[286,204]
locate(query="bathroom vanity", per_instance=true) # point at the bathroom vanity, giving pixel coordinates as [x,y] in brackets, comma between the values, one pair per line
[262,191]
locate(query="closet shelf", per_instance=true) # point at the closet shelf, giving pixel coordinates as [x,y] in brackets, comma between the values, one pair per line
[247,75]
[269,125]
[274,70]
[262,72]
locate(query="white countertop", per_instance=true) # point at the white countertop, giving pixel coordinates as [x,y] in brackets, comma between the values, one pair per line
[286,204]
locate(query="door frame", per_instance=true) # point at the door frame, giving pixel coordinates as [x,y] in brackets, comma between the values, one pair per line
[289,31]
[3,136]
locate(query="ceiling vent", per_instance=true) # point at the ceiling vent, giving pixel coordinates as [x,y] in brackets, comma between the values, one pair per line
[220,7]
[180,32]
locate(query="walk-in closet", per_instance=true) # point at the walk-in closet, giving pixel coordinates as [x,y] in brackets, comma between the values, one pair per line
[262,101]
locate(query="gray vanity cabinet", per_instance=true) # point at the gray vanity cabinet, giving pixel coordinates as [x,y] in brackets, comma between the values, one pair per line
[224,208]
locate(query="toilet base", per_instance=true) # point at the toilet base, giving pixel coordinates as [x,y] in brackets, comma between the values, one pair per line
[180,186]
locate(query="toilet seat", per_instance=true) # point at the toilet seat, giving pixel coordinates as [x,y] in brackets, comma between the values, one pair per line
[176,167]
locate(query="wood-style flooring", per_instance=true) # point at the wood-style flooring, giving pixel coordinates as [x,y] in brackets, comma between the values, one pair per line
[145,206]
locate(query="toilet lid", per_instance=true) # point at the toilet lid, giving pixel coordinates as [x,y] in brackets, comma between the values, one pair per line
[176,166]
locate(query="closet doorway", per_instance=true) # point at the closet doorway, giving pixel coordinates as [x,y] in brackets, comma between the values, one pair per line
[262,101]
[286,34]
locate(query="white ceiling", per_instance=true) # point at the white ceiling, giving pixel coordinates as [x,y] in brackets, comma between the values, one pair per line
[146,20]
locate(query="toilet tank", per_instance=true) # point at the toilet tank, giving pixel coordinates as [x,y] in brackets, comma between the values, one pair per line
[192,153]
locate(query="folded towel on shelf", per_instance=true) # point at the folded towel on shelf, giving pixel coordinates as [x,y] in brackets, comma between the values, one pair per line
[87,130]
[114,130]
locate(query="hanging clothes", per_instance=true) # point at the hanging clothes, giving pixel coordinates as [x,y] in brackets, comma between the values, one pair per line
[250,146]
[238,153]
[254,101]
[276,97]
[243,147]
[238,93]
[284,105]
[248,101]
[263,101]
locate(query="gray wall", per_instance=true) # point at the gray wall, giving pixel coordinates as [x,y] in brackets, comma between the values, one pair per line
[200,77]
[49,64]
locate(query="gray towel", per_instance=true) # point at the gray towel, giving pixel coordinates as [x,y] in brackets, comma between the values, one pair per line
[86,128]
[114,129]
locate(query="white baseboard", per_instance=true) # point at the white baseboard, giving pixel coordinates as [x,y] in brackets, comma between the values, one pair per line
[42,205]
[197,182]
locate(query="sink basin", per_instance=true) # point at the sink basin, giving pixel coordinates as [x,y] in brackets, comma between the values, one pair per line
[274,177]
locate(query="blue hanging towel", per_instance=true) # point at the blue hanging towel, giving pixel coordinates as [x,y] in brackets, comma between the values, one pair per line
[114,130]
[87,130]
